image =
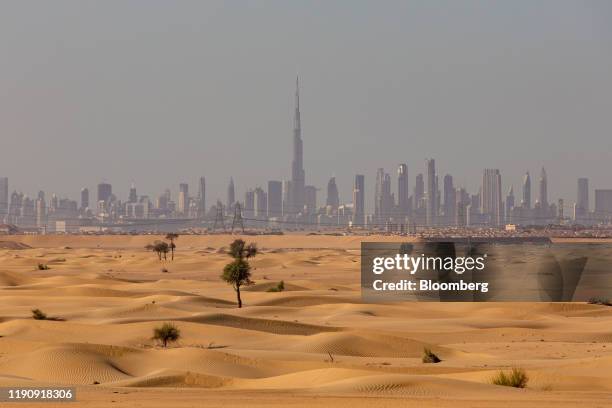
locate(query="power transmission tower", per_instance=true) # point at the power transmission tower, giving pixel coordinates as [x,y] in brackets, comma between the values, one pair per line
[237,218]
[219,217]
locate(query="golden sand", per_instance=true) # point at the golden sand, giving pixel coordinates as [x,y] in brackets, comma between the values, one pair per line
[314,344]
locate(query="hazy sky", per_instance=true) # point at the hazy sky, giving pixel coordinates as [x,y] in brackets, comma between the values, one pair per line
[161,92]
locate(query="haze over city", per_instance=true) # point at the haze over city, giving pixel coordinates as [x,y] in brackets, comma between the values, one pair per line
[96,91]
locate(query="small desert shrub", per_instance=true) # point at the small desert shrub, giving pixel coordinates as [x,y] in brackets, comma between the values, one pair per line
[278,288]
[517,378]
[38,314]
[430,357]
[166,333]
[164,270]
[43,267]
[600,301]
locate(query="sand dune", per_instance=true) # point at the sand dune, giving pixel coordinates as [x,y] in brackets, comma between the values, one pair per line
[315,343]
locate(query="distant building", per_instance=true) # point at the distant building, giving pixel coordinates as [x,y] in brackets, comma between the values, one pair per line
[509,207]
[183,199]
[492,196]
[333,198]
[543,189]
[133,196]
[359,201]
[201,204]
[383,201]
[4,198]
[403,192]
[249,204]
[603,205]
[526,201]
[260,203]
[432,191]
[310,199]
[287,189]
[105,191]
[275,199]
[581,209]
[84,198]
[231,197]
[449,200]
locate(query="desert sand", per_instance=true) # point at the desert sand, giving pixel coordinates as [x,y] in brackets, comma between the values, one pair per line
[314,344]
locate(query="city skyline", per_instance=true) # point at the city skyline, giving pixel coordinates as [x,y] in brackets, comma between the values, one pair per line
[431,204]
[79,100]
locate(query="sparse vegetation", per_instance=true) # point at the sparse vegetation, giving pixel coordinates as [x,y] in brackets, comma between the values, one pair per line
[43,267]
[166,333]
[172,237]
[38,314]
[164,270]
[278,288]
[160,247]
[238,272]
[517,378]
[430,357]
[600,301]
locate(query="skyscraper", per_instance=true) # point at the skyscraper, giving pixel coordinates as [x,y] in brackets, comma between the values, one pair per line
[509,203]
[4,197]
[298,178]
[249,204]
[449,200]
[543,190]
[403,193]
[310,199]
[183,199]
[84,198]
[383,201]
[105,191]
[582,199]
[419,191]
[432,191]
[492,196]
[133,197]
[287,210]
[202,197]
[526,202]
[333,198]
[359,201]
[275,199]
[231,196]
[603,205]
[41,210]
[260,203]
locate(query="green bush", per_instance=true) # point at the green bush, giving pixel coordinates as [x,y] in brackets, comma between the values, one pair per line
[517,378]
[38,314]
[166,333]
[278,288]
[430,357]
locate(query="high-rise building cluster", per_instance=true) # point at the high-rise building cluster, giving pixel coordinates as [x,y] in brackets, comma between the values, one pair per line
[293,204]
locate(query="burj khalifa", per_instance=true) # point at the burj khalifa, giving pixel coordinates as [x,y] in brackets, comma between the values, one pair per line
[297,165]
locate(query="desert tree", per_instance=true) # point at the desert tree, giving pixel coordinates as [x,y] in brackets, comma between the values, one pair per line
[172,237]
[238,272]
[159,247]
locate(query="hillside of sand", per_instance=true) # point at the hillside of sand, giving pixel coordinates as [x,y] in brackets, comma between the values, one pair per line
[315,343]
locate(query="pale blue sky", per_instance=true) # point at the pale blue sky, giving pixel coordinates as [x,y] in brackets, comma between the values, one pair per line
[160,92]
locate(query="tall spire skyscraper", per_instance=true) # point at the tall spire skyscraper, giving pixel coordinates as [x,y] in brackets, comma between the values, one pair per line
[297,166]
